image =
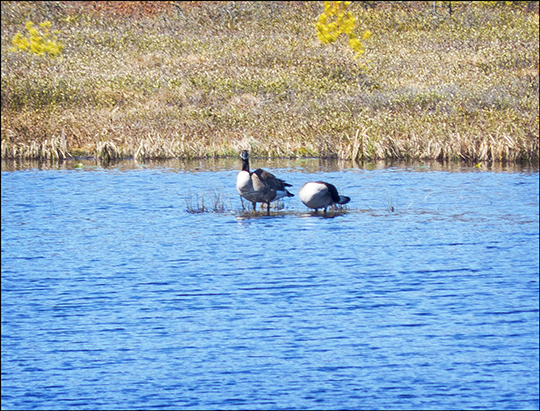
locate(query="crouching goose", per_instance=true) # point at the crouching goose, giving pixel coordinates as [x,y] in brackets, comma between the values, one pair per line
[260,186]
[318,194]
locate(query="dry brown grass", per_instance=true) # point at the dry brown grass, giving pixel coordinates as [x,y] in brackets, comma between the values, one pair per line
[207,79]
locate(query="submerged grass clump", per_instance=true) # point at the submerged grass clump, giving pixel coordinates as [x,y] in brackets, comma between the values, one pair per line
[215,202]
[208,79]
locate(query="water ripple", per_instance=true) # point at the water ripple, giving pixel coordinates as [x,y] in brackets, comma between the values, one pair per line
[113,296]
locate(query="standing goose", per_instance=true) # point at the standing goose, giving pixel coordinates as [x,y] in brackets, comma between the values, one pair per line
[318,194]
[259,186]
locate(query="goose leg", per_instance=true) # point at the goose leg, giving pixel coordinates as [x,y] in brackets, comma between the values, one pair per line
[254,206]
[268,207]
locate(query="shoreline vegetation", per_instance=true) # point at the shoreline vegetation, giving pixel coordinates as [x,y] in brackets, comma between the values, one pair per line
[446,81]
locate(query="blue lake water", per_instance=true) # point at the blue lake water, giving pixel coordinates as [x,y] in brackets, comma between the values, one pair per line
[421,294]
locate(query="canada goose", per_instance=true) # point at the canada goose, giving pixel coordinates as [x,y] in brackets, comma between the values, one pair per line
[318,194]
[259,186]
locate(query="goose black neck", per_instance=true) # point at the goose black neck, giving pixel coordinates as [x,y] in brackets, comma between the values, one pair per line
[333,192]
[245,164]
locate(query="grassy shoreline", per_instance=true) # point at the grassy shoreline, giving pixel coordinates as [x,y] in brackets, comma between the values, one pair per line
[208,79]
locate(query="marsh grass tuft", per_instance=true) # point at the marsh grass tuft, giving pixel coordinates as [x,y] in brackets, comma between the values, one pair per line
[217,202]
[208,79]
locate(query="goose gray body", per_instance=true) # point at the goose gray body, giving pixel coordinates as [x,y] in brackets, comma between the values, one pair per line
[260,186]
[318,194]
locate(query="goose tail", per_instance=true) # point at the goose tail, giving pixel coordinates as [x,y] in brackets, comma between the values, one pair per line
[283,193]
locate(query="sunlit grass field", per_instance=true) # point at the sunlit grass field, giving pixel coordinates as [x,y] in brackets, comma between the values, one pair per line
[207,79]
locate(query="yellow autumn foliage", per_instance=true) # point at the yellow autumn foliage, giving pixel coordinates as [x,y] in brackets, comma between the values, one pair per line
[337,20]
[39,42]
